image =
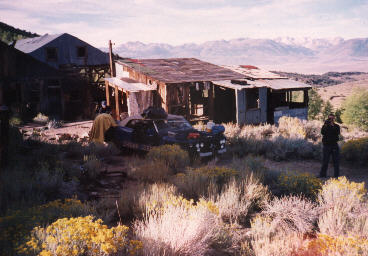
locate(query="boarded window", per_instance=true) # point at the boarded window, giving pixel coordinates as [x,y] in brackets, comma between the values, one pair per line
[252,98]
[51,54]
[81,51]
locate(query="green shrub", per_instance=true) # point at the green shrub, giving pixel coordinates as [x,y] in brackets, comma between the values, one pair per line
[150,171]
[315,104]
[356,110]
[16,226]
[295,183]
[175,157]
[199,182]
[356,150]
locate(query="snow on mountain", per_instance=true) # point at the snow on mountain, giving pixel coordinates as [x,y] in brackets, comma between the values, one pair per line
[289,54]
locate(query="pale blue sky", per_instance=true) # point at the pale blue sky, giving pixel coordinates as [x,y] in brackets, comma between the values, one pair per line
[178,22]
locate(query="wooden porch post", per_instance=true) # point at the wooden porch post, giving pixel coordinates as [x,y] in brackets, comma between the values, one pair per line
[117,110]
[107,93]
[211,102]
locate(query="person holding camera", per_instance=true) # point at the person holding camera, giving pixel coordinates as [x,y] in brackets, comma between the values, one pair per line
[330,132]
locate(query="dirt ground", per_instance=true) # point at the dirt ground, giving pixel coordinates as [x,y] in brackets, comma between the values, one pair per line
[115,165]
[354,173]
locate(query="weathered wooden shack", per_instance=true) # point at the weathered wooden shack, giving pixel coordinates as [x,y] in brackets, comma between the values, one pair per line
[203,91]
[69,54]
[30,86]
[263,97]
[179,85]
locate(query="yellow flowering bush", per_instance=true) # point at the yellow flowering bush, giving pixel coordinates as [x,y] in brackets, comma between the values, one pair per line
[297,183]
[80,236]
[356,150]
[17,225]
[325,245]
[337,189]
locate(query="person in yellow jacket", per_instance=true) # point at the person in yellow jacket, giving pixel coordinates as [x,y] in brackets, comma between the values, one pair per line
[100,125]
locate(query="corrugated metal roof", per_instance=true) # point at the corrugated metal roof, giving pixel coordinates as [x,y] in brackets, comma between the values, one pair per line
[67,50]
[180,70]
[275,84]
[282,84]
[130,85]
[229,84]
[254,72]
[29,45]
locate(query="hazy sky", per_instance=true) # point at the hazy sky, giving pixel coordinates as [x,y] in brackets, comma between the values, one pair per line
[177,22]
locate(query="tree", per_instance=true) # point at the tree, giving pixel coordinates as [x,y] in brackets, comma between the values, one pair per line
[315,104]
[356,109]
[327,109]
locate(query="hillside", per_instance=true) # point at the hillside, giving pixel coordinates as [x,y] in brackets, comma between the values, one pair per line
[9,34]
[336,94]
[326,79]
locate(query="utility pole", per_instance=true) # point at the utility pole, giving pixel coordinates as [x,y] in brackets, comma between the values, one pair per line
[112,65]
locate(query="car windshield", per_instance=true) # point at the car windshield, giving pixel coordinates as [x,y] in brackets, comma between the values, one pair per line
[172,124]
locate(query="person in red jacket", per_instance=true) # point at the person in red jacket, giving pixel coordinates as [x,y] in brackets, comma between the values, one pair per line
[330,132]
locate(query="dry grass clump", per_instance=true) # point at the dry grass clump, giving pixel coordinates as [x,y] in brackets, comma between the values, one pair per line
[268,140]
[343,208]
[135,202]
[267,240]
[178,227]
[239,198]
[292,127]
[149,171]
[291,214]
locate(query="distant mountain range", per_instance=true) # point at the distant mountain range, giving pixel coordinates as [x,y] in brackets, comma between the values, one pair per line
[304,55]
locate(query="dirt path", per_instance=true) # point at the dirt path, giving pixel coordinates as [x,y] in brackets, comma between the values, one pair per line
[354,173]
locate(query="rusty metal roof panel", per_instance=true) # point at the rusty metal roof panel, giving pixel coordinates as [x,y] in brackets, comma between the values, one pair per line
[275,84]
[180,70]
[254,72]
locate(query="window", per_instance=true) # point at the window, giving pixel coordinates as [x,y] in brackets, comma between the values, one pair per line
[51,54]
[81,51]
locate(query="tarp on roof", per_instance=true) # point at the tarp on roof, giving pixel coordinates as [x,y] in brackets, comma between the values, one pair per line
[275,84]
[31,44]
[284,84]
[130,85]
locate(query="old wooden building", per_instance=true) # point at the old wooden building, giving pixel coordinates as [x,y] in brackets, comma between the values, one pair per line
[69,54]
[203,91]
[29,86]
[179,85]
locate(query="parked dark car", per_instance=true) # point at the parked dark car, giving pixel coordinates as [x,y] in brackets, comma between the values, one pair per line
[137,132]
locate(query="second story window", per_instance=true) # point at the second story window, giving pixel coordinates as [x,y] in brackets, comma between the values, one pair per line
[81,51]
[51,54]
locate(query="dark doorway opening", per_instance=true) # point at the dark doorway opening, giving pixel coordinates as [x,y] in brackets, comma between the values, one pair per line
[224,105]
